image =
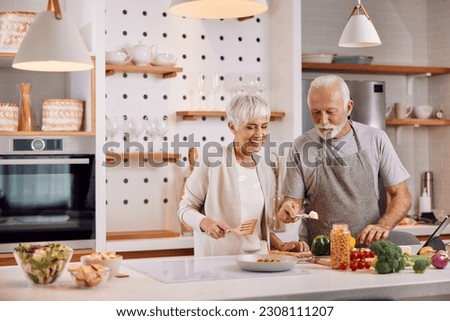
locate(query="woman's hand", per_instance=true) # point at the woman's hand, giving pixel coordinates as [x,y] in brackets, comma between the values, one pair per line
[294,246]
[213,228]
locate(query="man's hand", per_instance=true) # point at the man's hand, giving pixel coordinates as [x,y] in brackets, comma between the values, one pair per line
[289,209]
[212,228]
[294,246]
[372,233]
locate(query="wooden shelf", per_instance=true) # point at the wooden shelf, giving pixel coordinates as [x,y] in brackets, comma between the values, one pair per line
[375,69]
[417,122]
[114,158]
[135,235]
[166,72]
[47,133]
[194,114]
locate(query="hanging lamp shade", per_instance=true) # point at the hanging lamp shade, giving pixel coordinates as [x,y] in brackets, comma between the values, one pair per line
[359,30]
[217,9]
[52,43]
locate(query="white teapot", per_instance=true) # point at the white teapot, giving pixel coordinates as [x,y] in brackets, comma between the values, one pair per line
[141,54]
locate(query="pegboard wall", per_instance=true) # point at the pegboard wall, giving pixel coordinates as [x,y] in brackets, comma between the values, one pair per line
[147,198]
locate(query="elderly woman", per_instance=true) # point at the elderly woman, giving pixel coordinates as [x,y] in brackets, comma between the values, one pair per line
[236,186]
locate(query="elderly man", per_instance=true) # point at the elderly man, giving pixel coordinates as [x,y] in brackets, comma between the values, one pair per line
[333,169]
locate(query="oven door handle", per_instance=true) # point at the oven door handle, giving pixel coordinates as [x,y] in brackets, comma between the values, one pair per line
[47,161]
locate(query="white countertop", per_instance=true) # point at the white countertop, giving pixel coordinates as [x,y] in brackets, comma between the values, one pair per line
[318,283]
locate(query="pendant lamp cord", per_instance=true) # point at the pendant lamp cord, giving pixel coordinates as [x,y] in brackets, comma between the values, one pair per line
[53,5]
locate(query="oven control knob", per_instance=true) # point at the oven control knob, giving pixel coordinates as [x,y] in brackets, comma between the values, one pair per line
[38,144]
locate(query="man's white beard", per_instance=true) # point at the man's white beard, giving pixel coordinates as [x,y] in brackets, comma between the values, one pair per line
[335,129]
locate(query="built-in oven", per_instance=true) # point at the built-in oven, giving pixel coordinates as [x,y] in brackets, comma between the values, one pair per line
[47,191]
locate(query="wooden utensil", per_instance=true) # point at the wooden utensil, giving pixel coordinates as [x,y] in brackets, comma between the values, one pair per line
[245,228]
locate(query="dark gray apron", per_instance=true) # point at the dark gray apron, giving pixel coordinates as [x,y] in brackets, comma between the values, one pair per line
[345,193]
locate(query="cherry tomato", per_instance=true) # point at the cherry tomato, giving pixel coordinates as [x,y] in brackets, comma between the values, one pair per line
[366,254]
[343,266]
[361,265]
[372,254]
[367,265]
[352,256]
[353,266]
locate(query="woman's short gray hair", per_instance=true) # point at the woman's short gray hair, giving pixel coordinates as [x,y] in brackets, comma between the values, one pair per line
[243,108]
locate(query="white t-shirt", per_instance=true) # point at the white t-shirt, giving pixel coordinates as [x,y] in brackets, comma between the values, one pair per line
[252,205]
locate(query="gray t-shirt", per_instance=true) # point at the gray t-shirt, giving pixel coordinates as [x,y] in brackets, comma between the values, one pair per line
[307,152]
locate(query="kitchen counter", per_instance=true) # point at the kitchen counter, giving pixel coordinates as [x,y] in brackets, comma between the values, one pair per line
[305,282]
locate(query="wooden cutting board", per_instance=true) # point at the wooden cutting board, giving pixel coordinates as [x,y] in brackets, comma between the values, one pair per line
[299,255]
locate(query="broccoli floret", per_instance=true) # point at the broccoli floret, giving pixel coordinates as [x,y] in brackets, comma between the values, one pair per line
[420,265]
[411,259]
[389,257]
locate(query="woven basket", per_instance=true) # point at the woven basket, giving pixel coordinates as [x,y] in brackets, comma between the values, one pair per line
[9,117]
[13,27]
[62,114]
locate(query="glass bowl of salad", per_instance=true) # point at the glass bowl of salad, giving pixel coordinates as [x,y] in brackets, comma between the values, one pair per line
[42,264]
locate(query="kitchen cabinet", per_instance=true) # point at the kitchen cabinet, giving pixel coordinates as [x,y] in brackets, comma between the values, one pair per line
[79,90]
[194,114]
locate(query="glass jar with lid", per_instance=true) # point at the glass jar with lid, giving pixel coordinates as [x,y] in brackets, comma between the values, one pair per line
[340,245]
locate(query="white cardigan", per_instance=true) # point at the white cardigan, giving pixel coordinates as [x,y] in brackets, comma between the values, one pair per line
[212,190]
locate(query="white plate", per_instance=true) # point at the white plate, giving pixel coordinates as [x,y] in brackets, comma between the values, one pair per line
[250,262]
[163,64]
[325,58]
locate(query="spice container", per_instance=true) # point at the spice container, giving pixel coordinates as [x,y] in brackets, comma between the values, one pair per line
[340,245]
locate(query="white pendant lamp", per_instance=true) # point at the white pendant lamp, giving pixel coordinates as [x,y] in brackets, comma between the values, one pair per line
[217,9]
[359,31]
[52,43]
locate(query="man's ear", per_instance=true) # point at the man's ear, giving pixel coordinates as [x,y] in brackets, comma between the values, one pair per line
[350,106]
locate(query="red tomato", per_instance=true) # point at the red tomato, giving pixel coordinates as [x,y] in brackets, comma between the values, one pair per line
[367,265]
[343,266]
[352,256]
[372,254]
[353,266]
[361,265]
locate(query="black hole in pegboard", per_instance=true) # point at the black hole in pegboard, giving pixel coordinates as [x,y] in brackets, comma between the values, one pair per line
[124,75]
[106,32]
[144,34]
[258,40]
[222,138]
[145,76]
[165,180]
[222,78]
[146,180]
[165,138]
[164,14]
[184,97]
[106,96]
[222,58]
[165,97]
[145,201]
[184,138]
[165,201]
[124,12]
[125,202]
[106,202]
[125,96]
[204,138]
[144,13]
[184,36]
[222,98]
[222,118]
[124,33]
[203,118]
[203,57]
[184,56]
[184,77]
[258,20]
[145,138]
[145,96]
[258,59]
[164,35]
[240,59]
[203,97]
[165,117]
[106,181]
[202,37]
[221,38]
[239,38]
[125,160]
[184,158]
[125,180]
